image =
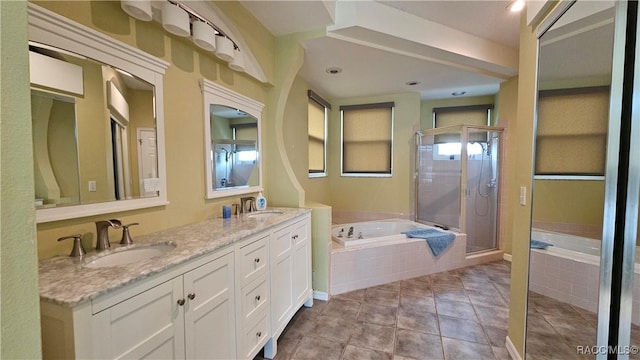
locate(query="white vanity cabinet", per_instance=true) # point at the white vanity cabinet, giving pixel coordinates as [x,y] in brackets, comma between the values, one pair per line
[184,313]
[189,316]
[227,304]
[290,272]
[254,299]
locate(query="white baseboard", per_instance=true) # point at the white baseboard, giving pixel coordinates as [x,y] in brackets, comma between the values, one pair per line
[512,350]
[506,257]
[320,295]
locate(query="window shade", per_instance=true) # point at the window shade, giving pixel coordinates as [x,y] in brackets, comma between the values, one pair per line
[366,139]
[459,115]
[474,115]
[572,132]
[247,134]
[316,137]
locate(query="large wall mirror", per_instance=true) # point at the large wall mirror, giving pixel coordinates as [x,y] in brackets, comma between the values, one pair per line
[579,78]
[97,120]
[232,142]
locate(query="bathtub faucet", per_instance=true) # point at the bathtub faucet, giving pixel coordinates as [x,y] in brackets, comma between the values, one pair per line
[350,233]
[341,233]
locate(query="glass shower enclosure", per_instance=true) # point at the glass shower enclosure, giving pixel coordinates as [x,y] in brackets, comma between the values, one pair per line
[457,187]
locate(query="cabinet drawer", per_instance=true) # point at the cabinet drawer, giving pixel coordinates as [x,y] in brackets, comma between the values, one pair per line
[256,336]
[254,260]
[300,232]
[255,297]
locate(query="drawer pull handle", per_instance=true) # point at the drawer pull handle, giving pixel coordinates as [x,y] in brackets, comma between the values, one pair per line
[191,296]
[295,237]
[257,297]
[181,302]
[258,334]
[257,260]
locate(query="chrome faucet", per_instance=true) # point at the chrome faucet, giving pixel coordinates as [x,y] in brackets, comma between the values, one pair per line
[350,233]
[249,200]
[102,233]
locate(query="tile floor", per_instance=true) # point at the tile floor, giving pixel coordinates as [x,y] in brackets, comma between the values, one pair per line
[458,314]
[557,329]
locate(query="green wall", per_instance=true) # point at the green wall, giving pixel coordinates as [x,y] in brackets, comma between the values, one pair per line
[506,118]
[521,146]
[19,300]
[296,142]
[366,194]
[564,201]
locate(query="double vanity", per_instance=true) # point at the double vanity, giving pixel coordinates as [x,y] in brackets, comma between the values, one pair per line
[219,289]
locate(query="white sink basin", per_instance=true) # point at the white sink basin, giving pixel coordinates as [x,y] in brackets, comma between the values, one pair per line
[129,256]
[264,214]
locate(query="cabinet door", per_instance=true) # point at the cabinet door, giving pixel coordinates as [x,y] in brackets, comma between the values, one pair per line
[209,310]
[281,249]
[149,325]
[300,234]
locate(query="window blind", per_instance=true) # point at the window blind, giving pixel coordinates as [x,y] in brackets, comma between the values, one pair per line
[572,132]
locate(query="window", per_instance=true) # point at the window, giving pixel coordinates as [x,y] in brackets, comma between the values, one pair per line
[367,148]
[572,132]
[448,145]
[317,121]
[246,137]
[458,115]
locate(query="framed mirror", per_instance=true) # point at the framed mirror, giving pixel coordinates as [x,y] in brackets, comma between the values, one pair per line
[232,142]
[98,132]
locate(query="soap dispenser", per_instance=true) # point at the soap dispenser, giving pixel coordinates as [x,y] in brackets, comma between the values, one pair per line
[261,202]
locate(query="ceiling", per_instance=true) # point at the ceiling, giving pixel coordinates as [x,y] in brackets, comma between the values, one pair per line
[444,46]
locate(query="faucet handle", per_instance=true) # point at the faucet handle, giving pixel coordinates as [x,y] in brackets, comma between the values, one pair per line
[78,250]
[126,236]
[115,223]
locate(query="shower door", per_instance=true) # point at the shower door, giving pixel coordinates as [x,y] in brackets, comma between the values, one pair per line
[481,189]
[457,186]
[438,177]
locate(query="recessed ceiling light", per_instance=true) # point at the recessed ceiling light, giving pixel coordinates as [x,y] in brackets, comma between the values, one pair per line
[334,70]
[516,6]
[412,83]
[458,93]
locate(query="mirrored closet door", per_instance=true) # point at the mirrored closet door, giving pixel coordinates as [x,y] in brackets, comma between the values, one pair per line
[584,294]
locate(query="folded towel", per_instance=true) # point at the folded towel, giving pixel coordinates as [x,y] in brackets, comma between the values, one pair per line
[537,244]
[437,240]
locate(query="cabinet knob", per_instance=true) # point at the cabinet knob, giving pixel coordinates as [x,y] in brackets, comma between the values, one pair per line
[259,333]
[295,237]
[257,260]
[191,296]
[181,302]
[257,297]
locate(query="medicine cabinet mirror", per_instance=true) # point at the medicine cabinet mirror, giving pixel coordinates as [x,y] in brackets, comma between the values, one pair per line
[97,120]
[232,142]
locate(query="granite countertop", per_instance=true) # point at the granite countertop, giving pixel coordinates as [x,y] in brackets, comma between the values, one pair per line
[66,281]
